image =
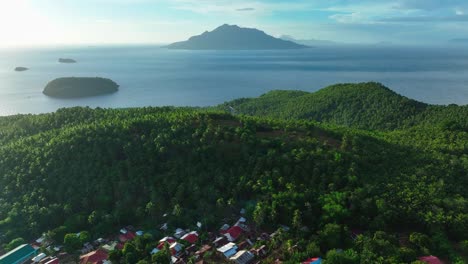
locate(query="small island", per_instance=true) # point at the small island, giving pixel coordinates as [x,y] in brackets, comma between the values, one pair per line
[21,69]
[64,60]
[78,87]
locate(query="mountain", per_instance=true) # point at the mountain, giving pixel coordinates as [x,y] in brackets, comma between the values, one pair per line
[362,105]
[309,42]
[399,194]
[227,37]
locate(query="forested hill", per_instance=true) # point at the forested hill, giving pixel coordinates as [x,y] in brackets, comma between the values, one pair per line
[362,105]
[98,170]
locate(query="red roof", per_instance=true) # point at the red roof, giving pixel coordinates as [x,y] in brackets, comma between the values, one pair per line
[430,260]
[192,238]
[234,231]
[312,260]
[95,257]
[127,236]
[53,261]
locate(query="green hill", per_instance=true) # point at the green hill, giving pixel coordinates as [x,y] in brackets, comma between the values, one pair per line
[98,170]
[364,105]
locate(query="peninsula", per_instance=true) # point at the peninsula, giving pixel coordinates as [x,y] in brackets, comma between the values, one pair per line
[232,37]
[73,87]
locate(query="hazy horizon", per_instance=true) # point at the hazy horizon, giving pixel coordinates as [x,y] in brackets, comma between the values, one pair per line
[105,22]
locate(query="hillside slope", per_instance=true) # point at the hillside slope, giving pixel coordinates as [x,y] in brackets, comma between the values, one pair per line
[364,105]
[98,170]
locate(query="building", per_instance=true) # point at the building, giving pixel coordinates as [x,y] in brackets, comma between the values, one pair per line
[313,261]
[19,255]
[38,258]
[53,261]
[176,248]
[430,259]
[242,257]
[228,250]
[191,237]
[179,233]
[203,250]
[96,257]
[233,233]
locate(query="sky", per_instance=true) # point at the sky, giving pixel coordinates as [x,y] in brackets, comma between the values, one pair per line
[54,22]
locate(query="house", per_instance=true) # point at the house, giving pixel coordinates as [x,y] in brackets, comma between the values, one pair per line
[176,248]
[154,251]
[242,257]
[224,228]
[313,261]
[87,247]
[243,245]
[169,240]
[139,233]
[233,233]
[191,249]
[191,237]
[18,255]
[203,250]
[110,247]
[53,261]
[261,251]
[228,250]
[179,233]
[96,257]
[57,248]
[38,258]
[127,236]
[220,241]
[430,259]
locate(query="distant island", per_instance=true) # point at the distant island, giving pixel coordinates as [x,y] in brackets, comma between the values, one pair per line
[73,87]
[64,60]
[21,69]
[309,42]
[232,37]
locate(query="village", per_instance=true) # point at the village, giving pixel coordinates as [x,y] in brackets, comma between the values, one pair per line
[238,243]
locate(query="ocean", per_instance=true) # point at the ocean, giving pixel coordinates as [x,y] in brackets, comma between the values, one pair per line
[155,76]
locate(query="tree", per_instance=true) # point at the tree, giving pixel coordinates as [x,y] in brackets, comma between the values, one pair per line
[84,237]
[115,256]
[15,243]
[342,257]
[163,256]
[71,242]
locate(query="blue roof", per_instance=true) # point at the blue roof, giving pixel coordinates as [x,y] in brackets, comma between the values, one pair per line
[18,255]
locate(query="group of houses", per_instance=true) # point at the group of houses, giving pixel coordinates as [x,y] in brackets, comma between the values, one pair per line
[235,244]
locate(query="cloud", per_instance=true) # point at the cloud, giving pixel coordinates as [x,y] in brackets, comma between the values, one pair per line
[406,19]
[245,9]
[348,18]
[429,4]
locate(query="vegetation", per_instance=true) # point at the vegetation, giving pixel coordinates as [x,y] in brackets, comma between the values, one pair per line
[98,170]
[369,106]
[74,87]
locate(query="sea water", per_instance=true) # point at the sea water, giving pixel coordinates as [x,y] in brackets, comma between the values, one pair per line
[156,76]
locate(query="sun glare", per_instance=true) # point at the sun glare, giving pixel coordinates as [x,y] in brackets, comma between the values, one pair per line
[20,24]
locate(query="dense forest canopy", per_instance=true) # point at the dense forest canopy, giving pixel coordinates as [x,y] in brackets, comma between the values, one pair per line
[369,106]
[100,169]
